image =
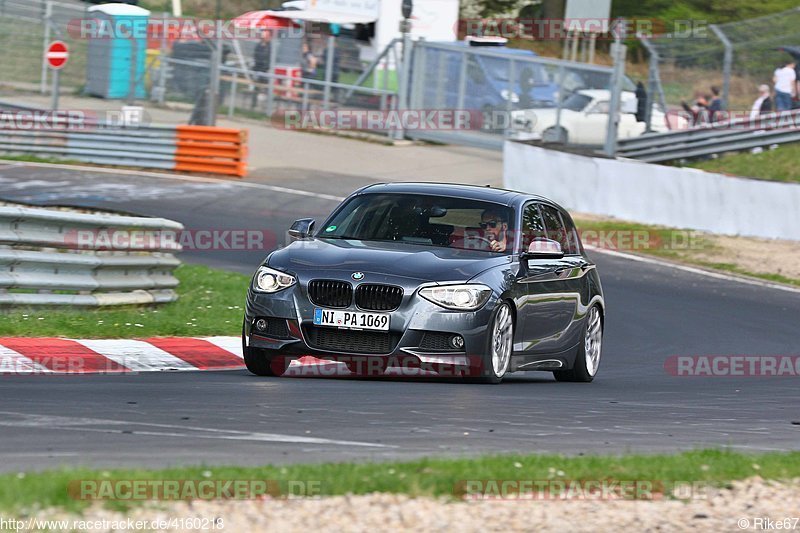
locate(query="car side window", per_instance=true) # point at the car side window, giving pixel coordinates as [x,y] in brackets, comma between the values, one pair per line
[600,108]
[532,226]
[573,241]
[554,226]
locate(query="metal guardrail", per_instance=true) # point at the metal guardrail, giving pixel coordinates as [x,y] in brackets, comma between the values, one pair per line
[732,136]
[58,257]
[182,148]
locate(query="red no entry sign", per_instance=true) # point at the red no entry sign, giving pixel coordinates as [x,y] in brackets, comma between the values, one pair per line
[56,55]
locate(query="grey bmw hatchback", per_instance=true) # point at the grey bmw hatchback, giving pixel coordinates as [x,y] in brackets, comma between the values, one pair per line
[460,280]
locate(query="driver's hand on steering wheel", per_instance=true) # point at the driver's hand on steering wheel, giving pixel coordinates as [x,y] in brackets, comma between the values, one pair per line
[497,246]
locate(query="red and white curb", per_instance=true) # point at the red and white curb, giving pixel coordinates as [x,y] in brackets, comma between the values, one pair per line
[49,355]
[55,356]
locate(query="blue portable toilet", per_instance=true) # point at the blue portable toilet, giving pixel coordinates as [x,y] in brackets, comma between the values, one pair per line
[116,50]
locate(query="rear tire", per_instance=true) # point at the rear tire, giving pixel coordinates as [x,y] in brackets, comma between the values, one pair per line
[585,368]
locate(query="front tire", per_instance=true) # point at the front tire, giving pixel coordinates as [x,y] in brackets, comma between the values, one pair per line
[587,360]
[260,362]
[496,359]
[555,135]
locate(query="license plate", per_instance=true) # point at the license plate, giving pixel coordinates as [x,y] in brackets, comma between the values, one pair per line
[351,319]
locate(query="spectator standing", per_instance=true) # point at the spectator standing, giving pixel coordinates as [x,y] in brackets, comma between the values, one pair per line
[261,59]
[715,105]
[641,102]
[785,81]
[763,103]
[309,62]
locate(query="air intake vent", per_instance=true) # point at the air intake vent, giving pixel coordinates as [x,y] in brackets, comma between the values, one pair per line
[350,341]
[330,293]
[378,297]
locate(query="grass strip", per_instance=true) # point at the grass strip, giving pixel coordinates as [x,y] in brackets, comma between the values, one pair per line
[211,302]
[33,491]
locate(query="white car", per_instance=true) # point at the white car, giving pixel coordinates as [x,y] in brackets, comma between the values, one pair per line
[584,119]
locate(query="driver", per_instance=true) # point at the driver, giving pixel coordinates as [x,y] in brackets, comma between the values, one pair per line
[495,227]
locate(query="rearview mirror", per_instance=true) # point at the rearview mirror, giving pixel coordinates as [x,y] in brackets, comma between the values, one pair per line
[543,249]
[302,228]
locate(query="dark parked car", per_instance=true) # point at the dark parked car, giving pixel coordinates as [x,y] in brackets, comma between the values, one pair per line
[478,280]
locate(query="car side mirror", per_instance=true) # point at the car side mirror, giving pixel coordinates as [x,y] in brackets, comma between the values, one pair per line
[302,228]
[543,249]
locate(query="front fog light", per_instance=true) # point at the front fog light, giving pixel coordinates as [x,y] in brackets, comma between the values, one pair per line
[457,342]
[261,324]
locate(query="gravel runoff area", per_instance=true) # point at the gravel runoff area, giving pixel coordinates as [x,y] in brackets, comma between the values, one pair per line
[738,507]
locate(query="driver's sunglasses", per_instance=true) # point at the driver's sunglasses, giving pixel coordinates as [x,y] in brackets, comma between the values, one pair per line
[491,224]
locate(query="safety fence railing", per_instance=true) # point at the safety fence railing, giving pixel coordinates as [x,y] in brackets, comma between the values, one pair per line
[716,138]
[68,257]
[203,149]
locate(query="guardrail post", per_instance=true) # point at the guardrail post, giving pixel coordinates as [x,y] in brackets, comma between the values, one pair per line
[273,58]
[404,84]
[213,84]
[48,14]
[510,99]
[133,71]
[618,51]
[562,72]
[232,100]
[727,63]
[162,78]
[329,58]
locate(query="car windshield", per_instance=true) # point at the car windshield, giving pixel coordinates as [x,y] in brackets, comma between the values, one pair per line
[437,221]
[576,102]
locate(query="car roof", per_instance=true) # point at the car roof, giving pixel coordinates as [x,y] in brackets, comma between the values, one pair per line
[469,192]
[604,94]
[499,49]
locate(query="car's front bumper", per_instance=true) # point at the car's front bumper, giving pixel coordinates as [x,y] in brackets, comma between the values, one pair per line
[409,324]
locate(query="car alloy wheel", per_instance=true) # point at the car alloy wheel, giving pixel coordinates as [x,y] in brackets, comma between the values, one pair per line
[587,360]
[593,341]
[502,340]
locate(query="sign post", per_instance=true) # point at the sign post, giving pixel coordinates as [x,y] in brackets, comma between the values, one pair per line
[56,57]
[405,67]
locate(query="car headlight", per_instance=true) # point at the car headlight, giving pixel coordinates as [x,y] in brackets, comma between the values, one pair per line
[458,297]
[505,94]
[269,280]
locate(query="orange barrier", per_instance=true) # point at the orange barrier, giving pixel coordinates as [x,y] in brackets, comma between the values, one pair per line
[211,149]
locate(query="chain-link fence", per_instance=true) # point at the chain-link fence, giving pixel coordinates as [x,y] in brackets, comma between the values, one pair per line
[510,92]
[26,28]
[262,80]
[736,58]
[503,91]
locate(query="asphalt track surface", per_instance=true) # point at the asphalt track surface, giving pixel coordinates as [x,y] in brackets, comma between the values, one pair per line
[654,312]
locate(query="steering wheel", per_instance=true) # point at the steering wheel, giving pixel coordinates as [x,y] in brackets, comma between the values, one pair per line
[464,240]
